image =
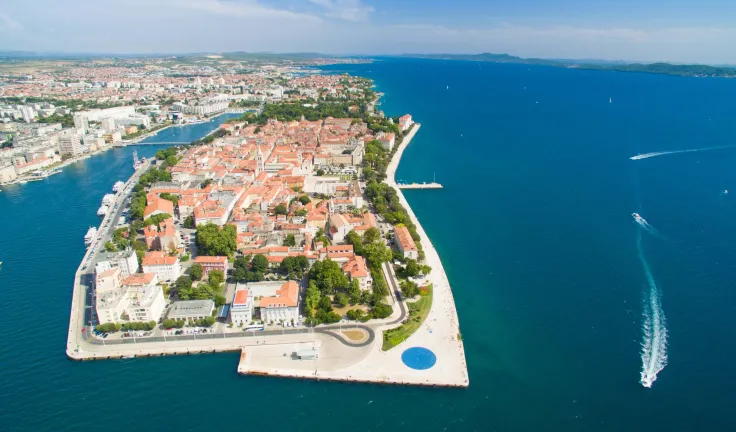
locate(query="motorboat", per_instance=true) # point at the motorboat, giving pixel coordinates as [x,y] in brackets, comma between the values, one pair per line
[102,211]
[90,236]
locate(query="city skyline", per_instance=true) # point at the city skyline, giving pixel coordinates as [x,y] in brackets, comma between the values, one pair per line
[631,31]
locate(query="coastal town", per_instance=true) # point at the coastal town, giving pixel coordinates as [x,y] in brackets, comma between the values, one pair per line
[281,235]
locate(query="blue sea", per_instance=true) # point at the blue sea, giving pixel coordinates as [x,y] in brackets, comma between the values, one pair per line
[553,280]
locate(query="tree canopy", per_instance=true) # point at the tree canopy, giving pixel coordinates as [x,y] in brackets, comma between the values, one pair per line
[328,276]
[215,241]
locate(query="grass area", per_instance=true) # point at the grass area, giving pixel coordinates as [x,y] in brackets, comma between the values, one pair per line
[418,312]
[354,335]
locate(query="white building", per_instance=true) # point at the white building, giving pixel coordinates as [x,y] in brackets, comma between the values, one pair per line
[70,143]
[241,311]
[126,260]
[191,309]
[108,124]
[137,296]
[110,296]
[278,301]
[405,243]
[27,113]
[134,120]
[145,299]
[81,122]
[166,267]
[283,305]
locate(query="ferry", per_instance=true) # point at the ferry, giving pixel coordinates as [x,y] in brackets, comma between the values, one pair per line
[102,211]
[108,199]
[118,186]
[90,236]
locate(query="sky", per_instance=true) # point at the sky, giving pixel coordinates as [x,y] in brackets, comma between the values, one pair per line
[682,31]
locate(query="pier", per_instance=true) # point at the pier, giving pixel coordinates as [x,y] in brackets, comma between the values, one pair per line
[432,185]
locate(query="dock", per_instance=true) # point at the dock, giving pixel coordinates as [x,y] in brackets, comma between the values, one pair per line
[432,185]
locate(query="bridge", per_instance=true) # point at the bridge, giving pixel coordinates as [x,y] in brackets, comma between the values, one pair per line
[432,185]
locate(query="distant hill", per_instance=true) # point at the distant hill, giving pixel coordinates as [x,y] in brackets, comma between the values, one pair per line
[655,68]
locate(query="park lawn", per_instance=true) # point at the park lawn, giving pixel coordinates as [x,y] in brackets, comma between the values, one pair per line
[418,312]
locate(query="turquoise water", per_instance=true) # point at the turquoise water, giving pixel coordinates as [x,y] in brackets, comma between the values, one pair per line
[535,233]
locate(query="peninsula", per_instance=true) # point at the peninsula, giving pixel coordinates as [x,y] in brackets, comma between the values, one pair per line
[282,236]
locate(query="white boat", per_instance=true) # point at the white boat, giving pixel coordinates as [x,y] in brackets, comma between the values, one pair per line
[102,211]
[108,199]
[90,236]
[638,218]
[118,186]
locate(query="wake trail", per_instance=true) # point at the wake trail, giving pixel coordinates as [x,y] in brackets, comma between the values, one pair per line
[655,154]
[654,329]
[646,226]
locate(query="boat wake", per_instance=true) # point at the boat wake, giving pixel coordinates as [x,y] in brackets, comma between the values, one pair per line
[646,226]
[654,154]
[654,344]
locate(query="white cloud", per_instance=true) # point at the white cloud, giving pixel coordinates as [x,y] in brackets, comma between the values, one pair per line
[9,24]
[185,26]
[246,8]
[348,10]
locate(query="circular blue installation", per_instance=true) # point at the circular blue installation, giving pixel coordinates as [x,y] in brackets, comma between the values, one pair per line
[418,358]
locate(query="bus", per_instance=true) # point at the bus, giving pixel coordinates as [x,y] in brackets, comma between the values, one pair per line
[253,328]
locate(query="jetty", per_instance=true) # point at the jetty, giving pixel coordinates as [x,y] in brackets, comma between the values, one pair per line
[432,185]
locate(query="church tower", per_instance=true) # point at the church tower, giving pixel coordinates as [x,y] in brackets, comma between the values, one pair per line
[260,164]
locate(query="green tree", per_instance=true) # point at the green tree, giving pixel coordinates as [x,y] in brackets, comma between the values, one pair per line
[354,291]
[324,304]
[172,160]
[208,321]
[215,241]
[328,276]
[169,323]
[353,238]
[290,240]
[196,271]
[304,200]
[320,172]
[241,268]
[409,289]
[371,235]
[411,269]
[376,253]
[170,197]
[110,247]
[259,263]
[311,297]
[219,300]
[382,310]
[341,299]
[215,277]
[281,210]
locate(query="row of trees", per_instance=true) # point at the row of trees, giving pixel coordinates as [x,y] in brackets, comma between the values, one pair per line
[201,322]
[115,327]
[215,241]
